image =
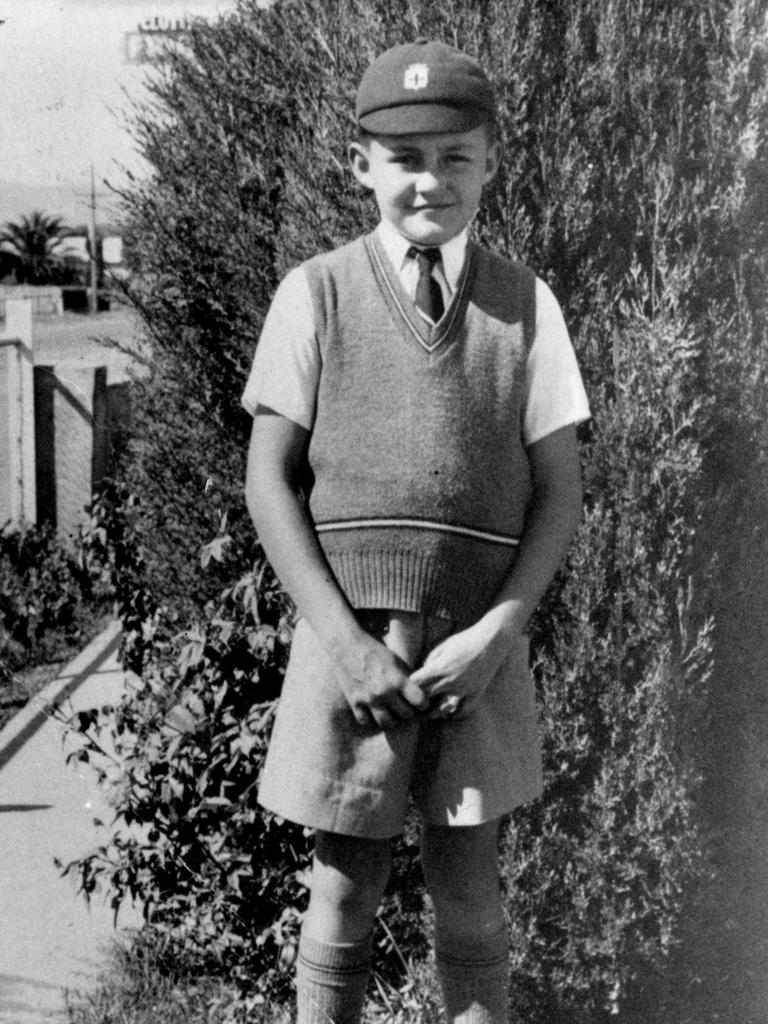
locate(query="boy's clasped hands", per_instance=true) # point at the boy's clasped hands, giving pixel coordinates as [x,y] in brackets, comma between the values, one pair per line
[382,689]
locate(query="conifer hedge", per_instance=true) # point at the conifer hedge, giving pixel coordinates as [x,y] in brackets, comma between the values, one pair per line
[635,181]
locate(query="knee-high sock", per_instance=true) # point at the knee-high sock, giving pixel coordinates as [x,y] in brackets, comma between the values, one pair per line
[331,979]
[474,977]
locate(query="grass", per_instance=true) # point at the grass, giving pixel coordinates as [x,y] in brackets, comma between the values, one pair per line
[19,686]
[143,984]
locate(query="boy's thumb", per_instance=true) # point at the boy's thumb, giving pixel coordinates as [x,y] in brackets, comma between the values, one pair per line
[414,694]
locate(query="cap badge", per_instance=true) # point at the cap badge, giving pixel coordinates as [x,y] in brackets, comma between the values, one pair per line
[416,76]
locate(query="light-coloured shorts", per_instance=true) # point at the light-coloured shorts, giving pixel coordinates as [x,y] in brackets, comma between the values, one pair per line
[326,771]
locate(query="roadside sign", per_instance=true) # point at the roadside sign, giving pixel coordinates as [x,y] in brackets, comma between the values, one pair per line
[151,41]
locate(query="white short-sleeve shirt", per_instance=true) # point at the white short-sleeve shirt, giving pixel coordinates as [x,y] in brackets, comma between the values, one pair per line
[287,364]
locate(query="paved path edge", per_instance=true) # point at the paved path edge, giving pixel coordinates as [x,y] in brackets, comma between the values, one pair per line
[36,712]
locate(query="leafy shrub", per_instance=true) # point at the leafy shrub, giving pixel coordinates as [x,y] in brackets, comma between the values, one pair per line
[614,840]
[645,207]
[189,740]
[218,878]
[112,550]
[47,597]
[203,263]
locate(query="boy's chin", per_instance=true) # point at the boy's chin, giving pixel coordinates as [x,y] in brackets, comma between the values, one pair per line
[428,233]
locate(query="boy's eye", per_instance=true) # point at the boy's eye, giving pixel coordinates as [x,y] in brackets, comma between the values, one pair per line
[413,161]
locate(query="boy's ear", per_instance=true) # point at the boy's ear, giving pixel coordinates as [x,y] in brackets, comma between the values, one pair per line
[492,161]
[360,162]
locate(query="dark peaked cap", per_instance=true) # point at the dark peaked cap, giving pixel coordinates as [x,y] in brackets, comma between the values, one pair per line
[424,87]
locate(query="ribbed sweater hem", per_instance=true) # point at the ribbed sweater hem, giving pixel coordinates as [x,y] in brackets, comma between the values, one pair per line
[451,577]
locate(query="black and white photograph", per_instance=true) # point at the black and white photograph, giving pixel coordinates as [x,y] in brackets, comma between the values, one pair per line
[383,512]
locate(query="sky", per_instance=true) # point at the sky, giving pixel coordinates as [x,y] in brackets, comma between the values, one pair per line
[63,77]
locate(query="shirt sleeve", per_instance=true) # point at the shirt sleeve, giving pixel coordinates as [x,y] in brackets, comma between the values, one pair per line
[555,395]
[286,365]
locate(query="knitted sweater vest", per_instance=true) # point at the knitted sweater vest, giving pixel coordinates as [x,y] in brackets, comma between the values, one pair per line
[419,479]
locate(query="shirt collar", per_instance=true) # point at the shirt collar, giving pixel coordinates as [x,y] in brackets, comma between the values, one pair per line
[451,253]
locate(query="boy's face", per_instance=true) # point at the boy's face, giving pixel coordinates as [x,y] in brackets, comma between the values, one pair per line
[427,186]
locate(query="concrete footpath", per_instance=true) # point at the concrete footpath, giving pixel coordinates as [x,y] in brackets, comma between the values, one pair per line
[50,939]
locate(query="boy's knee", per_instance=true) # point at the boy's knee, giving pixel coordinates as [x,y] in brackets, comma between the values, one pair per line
[350,874]
[460,868]
[460,856]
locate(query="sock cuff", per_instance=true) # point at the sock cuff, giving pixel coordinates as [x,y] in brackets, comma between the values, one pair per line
[486,950]
[351,957]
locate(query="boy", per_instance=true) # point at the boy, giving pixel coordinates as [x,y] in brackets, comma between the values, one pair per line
[430,389]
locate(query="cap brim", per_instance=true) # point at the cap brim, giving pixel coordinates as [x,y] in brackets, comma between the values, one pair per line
[413,118]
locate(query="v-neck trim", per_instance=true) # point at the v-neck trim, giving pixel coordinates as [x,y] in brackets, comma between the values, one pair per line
[429,337]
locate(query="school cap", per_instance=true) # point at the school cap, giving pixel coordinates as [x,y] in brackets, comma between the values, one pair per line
[423,87]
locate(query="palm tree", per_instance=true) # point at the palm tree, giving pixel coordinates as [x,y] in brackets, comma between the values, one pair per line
[34,243]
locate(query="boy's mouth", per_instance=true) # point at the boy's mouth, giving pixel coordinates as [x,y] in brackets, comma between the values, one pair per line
[430,207]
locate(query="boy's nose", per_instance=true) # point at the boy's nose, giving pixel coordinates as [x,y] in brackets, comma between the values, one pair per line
[428,181]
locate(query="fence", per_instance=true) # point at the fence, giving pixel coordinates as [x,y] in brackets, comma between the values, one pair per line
[45,300]
[61,426]
[17,431]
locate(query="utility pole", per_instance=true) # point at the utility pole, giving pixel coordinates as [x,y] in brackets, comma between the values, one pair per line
[93,291]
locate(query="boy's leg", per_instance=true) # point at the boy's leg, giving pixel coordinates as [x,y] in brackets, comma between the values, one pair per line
[471,943]
[334,963]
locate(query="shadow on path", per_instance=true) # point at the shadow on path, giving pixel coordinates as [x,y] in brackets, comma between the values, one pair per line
[65,686]
[12,808]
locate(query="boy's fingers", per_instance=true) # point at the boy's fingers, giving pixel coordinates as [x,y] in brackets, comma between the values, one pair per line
[396,710]
[426,683]
[367,716]
[413,693]
[361,714]
[383,718]
[429,674]
[403,708]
